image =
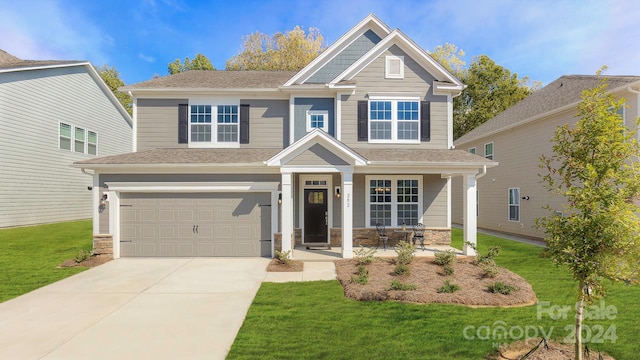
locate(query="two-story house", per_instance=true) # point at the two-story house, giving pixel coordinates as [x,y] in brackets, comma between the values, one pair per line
[243,163]
[511,196]
[53,113]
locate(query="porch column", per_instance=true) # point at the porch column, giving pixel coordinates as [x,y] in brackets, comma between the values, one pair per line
[470,222]
[347,214]
[287,211]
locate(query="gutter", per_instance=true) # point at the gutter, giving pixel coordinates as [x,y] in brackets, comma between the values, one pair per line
[482,173]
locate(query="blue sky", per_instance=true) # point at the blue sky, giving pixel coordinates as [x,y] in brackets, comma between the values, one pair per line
[539,39]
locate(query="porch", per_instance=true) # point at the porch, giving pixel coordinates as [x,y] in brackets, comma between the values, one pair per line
[300,252]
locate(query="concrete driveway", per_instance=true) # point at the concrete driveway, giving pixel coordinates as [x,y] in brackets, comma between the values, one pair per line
[134,309]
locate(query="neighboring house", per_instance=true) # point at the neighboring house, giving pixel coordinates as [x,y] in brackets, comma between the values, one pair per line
[53,113]
[242,163]
[512,196]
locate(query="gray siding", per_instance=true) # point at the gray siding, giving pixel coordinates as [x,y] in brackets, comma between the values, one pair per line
[317,155]
[301,105]
[37,183]
[416,81]
[268,121]
[157,123]
[348,56]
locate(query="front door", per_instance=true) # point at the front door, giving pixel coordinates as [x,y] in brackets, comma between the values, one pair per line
[316,217]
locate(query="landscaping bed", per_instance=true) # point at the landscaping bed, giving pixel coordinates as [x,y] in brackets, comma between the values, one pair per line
[293,266]
[428,277]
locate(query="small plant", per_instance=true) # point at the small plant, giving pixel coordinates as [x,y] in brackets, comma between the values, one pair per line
[487,262]
[501,288]
[364,256]
[405,252]
[397,285]
[82,255]
[447,257]
[448,288]
[448,270]
[490,268]
[283,257]
[401,269]
[363,276]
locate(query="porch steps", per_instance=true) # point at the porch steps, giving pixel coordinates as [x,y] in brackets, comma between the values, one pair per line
[317,246]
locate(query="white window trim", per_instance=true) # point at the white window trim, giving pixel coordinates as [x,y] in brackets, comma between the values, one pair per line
[493,150]
[394,119]
[517,204]
[84,141]
[70,136]
[474,150]
[72,139]
[387,67]
[214,103]
[325,115]
[394,198]
[88,143]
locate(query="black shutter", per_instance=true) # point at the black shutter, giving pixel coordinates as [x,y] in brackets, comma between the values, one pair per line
[363,120]
[183,123]
[425,121]
[244,123]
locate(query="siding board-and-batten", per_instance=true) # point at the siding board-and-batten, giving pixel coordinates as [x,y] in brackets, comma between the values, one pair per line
[37,183]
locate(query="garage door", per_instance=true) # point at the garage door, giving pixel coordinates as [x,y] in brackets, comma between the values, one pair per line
[198,224]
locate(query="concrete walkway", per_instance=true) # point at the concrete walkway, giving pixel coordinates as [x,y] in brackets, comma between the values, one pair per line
[134,309]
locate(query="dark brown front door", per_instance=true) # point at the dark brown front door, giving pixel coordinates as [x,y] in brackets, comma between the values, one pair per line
[315,216]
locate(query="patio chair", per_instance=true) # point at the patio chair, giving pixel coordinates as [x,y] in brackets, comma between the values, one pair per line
[382,235]
[418,235]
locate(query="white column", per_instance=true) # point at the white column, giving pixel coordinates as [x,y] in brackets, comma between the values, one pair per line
[347,215]
[469,212]
[96,194]
[274,219]
[287,212]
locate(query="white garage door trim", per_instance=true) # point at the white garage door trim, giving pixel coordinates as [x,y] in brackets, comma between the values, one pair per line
[115,188]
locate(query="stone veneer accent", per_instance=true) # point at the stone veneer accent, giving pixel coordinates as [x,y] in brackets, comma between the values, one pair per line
[369,237]
[103,244]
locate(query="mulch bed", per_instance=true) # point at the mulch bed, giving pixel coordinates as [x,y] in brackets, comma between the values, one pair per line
[429,277]
[553,351]
[294,266]
[91,261]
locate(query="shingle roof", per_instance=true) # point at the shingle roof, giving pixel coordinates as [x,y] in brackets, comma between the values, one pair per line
[564,91]
[248,156]
[8,61]
[218,79]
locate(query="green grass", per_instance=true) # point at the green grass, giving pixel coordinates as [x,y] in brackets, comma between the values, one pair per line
[29,255]
[313,320]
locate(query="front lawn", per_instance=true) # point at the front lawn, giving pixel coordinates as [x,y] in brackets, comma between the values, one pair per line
[314,320]
[29,256]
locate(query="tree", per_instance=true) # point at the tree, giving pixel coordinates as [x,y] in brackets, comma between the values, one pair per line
[449,56]
[292,50]
[491,89]
[200,62]
[593,167]
[111,77]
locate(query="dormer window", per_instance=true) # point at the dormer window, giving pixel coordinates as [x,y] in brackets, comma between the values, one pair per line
[394,67]
[213,125]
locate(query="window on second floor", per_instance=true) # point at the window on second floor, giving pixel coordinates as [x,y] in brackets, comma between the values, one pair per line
[488,151]
[213,124]
[318,119]
[77,139]
[394,121]
[472,150]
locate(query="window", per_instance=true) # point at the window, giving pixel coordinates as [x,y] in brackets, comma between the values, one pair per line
[394,121]
[394,67]
[79,140]
[204,131]
[65,136]
[92,143]
[394,201]
[472,150]
[317,120]
[488,151]
[514,204]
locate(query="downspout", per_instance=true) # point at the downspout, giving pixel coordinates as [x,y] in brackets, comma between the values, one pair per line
[482,173]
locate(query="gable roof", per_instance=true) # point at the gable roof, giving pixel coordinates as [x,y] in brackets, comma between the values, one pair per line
[215,79]
[563,93]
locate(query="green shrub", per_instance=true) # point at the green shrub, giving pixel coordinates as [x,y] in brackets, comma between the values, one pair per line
[283,257]
[447,257]
[364,256]
[448,288]
[401,269]
[397,285]
[448,270]
[82,255]
[405,252]
[490,268]
[501,288]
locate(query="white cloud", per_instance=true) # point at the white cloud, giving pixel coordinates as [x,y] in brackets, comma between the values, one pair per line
[146,58]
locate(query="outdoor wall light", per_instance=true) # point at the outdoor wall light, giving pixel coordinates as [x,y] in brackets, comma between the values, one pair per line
[525,198]
[103,199]
[337,191]
[280,198]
